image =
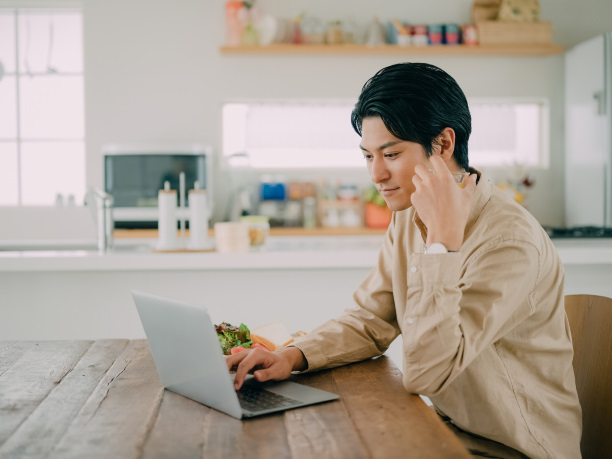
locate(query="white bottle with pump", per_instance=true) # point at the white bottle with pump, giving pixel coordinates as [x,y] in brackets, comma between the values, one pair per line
[198,219]
[167,219]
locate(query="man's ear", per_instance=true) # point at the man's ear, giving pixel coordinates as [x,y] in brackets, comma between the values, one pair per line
[446,144]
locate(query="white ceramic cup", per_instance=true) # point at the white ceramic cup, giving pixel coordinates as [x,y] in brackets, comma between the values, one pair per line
[232,237]
[404,40]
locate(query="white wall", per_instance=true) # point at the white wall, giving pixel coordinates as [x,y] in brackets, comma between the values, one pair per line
[154,72]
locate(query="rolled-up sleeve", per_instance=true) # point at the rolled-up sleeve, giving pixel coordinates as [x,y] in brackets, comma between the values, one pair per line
[363,331]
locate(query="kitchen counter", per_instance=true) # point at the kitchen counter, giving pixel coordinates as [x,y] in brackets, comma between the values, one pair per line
[301,281]
[274,231]
[137,254]
[288,252]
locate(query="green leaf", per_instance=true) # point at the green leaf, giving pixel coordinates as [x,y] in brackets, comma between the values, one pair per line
[245,333]
[239,336]
[372,195]
[224,343]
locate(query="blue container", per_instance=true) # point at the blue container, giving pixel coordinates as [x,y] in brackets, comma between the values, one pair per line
[451,34]
[273,192]
[391,34]
[434,32]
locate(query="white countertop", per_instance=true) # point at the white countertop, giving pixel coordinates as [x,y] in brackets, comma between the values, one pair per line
[286,252]
[280,252]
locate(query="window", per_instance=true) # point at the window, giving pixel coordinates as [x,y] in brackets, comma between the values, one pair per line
[318,134]
[42,144]
[506,132]
[286,135]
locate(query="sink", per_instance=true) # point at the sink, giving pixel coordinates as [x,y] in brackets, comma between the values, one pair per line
[120,245]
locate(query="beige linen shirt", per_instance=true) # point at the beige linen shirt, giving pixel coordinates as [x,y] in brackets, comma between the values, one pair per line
[485,335]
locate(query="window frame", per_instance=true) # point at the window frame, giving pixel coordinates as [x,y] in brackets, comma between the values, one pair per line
[543,159]
[32,6]
[544,123]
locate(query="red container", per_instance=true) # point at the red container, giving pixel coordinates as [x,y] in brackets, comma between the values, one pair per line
[452,38]
[420,29]
[377,217]
[233,24]
[469,35]
[434,32]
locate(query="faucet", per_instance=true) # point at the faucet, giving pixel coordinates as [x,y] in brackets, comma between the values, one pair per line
[105,223]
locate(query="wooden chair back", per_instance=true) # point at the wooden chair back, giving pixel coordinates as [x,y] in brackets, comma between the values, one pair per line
[590,319]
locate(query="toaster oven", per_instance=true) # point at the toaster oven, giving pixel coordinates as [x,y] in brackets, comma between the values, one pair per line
[134,174]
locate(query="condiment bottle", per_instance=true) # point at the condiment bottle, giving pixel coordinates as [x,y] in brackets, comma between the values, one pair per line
[233,23]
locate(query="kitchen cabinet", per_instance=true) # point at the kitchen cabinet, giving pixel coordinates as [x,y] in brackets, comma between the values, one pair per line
[301,281]
[356,50]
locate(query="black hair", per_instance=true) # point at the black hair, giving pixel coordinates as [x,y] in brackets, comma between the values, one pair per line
[416,102]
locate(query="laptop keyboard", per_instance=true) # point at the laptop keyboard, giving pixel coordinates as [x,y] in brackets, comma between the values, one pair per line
[257,399]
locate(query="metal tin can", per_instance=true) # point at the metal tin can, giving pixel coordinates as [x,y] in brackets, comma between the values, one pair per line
[469,35]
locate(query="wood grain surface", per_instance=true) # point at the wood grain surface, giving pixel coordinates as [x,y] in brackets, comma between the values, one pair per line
[70,399]
[590,320]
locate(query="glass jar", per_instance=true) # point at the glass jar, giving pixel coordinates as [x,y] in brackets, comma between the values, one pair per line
[334,34]
[313,31]
[259,229]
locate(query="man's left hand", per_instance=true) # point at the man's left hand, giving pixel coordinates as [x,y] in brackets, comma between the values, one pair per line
[443,206]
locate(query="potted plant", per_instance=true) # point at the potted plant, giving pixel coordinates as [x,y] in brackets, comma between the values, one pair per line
[377,214]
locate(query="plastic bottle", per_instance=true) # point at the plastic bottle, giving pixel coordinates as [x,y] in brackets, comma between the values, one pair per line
[297,32]
[233,23]
[198,218]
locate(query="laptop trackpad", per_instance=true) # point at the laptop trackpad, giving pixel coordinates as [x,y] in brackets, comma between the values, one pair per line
[296,391]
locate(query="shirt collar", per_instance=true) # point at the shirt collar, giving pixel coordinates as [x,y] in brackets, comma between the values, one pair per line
[482,194]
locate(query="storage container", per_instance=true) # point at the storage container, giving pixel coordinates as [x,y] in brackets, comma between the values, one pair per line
[513,33]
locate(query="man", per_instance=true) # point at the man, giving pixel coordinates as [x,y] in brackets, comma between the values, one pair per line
[467,276]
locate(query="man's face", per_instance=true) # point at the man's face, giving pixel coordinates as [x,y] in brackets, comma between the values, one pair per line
[391,162]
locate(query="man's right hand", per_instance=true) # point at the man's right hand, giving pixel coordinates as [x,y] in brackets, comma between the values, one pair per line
[265,364]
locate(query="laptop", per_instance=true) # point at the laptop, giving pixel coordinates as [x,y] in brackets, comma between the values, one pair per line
[190,362]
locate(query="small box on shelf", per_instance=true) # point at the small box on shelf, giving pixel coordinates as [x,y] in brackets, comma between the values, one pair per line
[514,33]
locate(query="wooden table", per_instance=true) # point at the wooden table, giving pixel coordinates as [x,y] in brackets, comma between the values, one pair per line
[104,399]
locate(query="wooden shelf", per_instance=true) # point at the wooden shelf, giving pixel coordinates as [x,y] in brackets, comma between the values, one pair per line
[441,50]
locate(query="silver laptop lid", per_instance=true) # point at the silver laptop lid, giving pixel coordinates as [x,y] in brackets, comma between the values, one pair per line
[186,351]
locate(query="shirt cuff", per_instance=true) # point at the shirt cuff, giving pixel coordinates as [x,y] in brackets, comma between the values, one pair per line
[313,353]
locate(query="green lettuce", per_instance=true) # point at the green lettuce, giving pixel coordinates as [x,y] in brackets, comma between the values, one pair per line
[231,336]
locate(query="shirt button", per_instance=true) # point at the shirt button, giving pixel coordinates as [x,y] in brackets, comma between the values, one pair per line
[410,321]
[414,269]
